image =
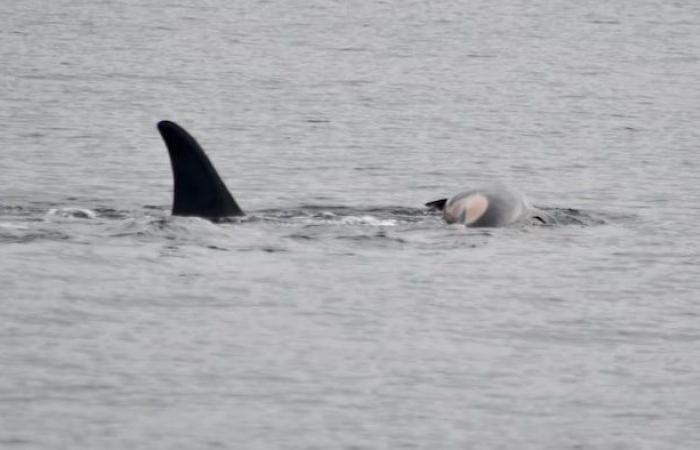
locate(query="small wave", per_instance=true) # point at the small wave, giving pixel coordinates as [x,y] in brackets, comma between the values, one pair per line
[12,226]
[27,212]
[374,237]
[172,228]
[110,213]
[72,213]
[368,220]
[13,234]
[570,216]
[337,215]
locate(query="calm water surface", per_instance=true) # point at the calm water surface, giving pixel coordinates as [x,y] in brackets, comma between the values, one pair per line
[340,314]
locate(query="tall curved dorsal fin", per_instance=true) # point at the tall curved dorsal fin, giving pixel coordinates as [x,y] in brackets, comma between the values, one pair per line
[198,189]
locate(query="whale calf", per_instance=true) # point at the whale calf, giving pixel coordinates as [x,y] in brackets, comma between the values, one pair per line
[487,207]
[198,190]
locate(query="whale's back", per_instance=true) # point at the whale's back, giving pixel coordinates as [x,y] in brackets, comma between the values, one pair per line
[486,207]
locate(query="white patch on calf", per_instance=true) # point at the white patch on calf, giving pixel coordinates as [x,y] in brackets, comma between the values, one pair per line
[466,210]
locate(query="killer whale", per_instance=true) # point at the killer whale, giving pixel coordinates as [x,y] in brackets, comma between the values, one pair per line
[199,191]
[487,207]
[197,188]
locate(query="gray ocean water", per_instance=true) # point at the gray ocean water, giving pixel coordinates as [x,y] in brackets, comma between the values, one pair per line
[339,313]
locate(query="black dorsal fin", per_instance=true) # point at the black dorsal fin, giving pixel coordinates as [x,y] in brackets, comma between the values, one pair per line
[438,205]
[198,189]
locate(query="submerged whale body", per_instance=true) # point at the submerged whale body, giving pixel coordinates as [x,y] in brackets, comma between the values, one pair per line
[487,207]
[198,189]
